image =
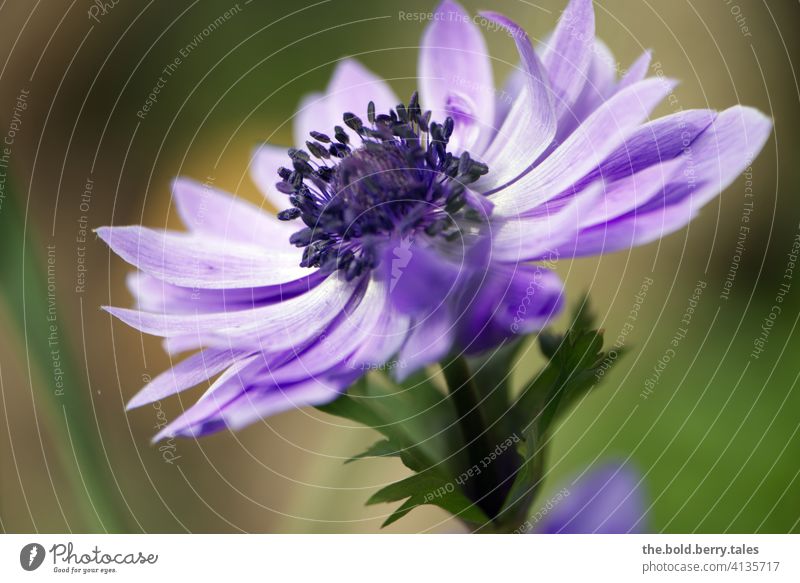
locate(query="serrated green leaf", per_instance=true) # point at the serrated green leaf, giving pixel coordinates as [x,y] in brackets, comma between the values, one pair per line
[382,448]
[400,512]
[528,478]
[416,484]
[572,370]
[429,487]
[418,424]
[575,358]
[414,417]
[583,317]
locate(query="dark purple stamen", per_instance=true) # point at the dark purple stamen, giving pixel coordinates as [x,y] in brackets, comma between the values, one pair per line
[400,179]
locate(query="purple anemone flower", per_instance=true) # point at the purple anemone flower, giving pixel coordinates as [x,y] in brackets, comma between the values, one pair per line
[411,231]
[607,500]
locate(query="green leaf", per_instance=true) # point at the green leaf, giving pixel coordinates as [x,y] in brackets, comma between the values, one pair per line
[416,484]
[528,479]
[400,512]
[414,417]
[575,359]
[583,317]
[419,426]
[428,487]
[382,448]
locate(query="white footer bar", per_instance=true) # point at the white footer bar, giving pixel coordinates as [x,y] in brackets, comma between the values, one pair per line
[398,558]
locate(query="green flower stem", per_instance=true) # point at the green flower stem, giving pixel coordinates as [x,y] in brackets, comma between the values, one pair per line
[488,488]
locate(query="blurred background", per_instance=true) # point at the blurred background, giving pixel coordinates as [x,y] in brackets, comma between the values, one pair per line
[713,432]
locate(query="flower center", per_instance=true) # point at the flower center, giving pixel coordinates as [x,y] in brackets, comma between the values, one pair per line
[400,180]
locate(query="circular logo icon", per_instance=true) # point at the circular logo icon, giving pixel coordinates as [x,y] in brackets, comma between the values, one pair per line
[31,556]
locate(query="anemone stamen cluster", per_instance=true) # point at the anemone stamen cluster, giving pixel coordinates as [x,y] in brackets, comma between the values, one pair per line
[399,179]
